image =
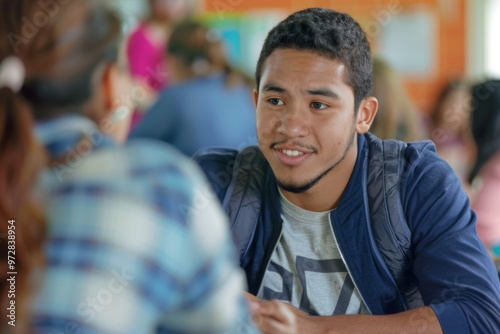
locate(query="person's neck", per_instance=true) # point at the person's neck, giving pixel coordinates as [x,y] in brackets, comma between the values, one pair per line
[327,193]
[159,29]
[185,73]
[159,22]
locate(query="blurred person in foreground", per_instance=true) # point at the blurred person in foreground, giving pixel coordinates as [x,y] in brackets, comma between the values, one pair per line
[485,173]
[146,50]
[397,117]
[209,102]
[351,233]
[113,239]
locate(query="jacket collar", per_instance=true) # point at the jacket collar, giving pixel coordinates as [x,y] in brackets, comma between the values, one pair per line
[63,133]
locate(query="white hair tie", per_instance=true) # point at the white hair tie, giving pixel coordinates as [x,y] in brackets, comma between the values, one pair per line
[12,73]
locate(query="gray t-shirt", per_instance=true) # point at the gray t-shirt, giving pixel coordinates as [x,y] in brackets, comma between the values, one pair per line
[306,269]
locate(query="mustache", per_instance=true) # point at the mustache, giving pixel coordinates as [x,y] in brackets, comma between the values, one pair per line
[294,143]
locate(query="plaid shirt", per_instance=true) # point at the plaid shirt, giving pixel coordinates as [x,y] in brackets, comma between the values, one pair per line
[136,242]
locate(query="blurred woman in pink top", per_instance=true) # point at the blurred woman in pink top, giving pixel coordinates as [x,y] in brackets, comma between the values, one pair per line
[146,50]
[485,175]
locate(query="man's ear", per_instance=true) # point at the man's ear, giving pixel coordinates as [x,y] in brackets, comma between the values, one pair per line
[366,114]
[255,97]
[101,102]
[116,115]
[109,83]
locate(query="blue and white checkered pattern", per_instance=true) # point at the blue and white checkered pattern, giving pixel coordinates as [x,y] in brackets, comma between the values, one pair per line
[136,244]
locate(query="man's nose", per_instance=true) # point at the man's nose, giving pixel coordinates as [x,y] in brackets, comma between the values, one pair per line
[294,122]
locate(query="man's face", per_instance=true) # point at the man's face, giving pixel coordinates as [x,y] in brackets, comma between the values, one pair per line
[306,123]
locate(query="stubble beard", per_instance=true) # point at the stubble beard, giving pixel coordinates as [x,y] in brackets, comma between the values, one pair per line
[302,188]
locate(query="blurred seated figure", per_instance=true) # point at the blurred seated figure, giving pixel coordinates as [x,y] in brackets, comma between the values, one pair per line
[450,120]
[397,117]
[146,48]
[209,103]
[485,174]
[106,238]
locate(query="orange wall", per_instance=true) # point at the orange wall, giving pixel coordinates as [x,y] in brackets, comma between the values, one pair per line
[451,14]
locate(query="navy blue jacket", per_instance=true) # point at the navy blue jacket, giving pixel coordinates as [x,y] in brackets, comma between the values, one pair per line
[448,263]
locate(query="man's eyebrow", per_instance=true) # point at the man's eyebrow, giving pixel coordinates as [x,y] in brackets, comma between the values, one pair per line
[272,87]
[324,92]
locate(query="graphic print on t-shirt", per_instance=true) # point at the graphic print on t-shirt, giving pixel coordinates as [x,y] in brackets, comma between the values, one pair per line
[306,269]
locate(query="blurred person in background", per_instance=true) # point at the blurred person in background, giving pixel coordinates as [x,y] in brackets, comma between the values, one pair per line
[146,49]
[106,238]
[450,127]
[485,173]
[397,117]
[209,102]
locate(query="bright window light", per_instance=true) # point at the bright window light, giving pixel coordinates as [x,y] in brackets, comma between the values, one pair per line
[492,38]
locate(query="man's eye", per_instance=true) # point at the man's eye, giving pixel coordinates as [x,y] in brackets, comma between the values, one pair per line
[276,102]
[318,105]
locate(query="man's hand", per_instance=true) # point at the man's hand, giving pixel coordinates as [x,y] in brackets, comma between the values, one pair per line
[278,317]
[273,317]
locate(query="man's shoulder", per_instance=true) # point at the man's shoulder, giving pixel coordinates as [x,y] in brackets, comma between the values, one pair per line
[414,168]
[215,159]
[221,164]
[415,147]
[138,168]
[395,162]
[408,152]
[215,154]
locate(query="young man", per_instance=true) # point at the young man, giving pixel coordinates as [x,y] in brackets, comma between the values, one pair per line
[336,222]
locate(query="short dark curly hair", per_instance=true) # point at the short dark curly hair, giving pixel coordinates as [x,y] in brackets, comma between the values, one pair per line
[328,33]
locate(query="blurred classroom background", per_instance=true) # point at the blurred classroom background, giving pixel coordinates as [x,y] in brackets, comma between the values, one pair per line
[429,42]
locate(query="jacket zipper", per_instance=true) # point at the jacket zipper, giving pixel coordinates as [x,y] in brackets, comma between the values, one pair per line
[347,267]
[270,256]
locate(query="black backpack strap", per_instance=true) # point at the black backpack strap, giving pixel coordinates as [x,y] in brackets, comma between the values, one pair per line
[243,198]
[238,179]
[390,229]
